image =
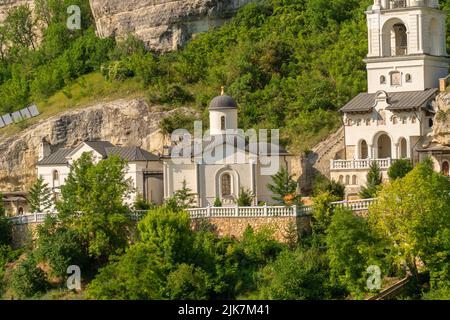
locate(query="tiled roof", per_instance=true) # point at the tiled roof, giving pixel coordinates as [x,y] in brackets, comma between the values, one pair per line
[58,157]
[364,102]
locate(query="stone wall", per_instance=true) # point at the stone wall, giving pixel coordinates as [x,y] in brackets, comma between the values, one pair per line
[23,234]
[235,226]
[232,227]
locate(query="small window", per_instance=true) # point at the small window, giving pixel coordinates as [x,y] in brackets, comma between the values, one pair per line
[347,180]
[222,123]
[354,180]
[413,119]
[341,179]
[394,119]
[430,123]
[382,80]
[408,78]
[396,78]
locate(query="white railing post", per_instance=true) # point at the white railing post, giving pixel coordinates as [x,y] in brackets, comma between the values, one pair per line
[35,217]
[294,208]
[208,211]
[236,212]
[265,210]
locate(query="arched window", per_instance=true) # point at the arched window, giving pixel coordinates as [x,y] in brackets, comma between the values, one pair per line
[446,168]
[363,150]
[55,178]
[354,180]
[382,80]
[20,211]
[430,122]
[401,39]
[347,180]
[341,179]
[222,123]
[403,148]
[394,120]
[408,78]
[225,185]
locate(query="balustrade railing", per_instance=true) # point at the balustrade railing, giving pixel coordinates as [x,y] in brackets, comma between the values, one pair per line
[224,212]
[360,164]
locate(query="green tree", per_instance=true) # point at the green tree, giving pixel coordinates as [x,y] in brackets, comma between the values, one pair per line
[245,198]
[27,279]
[322,213]
[284,186]
[60,247]
[413,214]
[399,169]
[40,196]
[351,249]
[181,199]
[188,282]
[20,27]
[93,205]
[374,181]
[296,275]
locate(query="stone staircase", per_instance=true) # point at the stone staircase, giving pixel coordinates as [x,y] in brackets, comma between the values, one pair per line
[318,160]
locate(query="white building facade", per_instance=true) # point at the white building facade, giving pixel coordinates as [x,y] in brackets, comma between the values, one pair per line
[226,163]
[143,170]
[406,59]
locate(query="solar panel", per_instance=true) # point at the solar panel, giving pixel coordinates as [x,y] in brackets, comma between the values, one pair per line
[17,117]
[7,119]
[33,110]
[25,113]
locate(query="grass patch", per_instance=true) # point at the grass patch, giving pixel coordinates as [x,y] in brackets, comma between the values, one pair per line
[85,91]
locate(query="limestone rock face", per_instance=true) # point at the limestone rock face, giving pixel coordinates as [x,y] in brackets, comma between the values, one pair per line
[441,128]
[6,5]
[122,122]
[164,25]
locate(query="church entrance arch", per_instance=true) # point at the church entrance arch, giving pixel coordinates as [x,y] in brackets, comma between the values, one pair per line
[383,146]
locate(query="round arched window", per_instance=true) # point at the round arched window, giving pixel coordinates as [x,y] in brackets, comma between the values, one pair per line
[382,80]
[225,184]
[408,78]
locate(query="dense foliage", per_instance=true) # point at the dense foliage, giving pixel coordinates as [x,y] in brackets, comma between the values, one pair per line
[40,197]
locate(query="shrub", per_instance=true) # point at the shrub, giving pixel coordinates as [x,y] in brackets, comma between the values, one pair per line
[296,275]
[60,247]
[188,282]
[399,169]
[245,198]
[217,202]
[27,279]
[374,180]
[322,184]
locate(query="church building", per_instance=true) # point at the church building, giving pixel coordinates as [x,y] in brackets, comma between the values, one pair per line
[406,59]
[223,163]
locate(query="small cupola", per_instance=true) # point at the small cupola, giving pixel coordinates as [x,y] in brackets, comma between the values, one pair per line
[222,114]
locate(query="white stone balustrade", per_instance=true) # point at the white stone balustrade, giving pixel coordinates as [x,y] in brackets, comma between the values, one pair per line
[225,212]
[360,164]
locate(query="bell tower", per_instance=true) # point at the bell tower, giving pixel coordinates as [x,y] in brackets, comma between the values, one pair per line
[407,45]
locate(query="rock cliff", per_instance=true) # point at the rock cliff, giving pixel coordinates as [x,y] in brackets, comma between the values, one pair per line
[125,122]
[164,25]
[6,5]
[441,128]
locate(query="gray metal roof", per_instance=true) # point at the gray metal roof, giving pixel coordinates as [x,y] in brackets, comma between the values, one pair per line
[222,102]
[58,157]
[131,154]
[104,148]
[100,146]
[364,102]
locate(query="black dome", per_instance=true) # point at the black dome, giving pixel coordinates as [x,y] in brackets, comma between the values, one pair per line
[222,102]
